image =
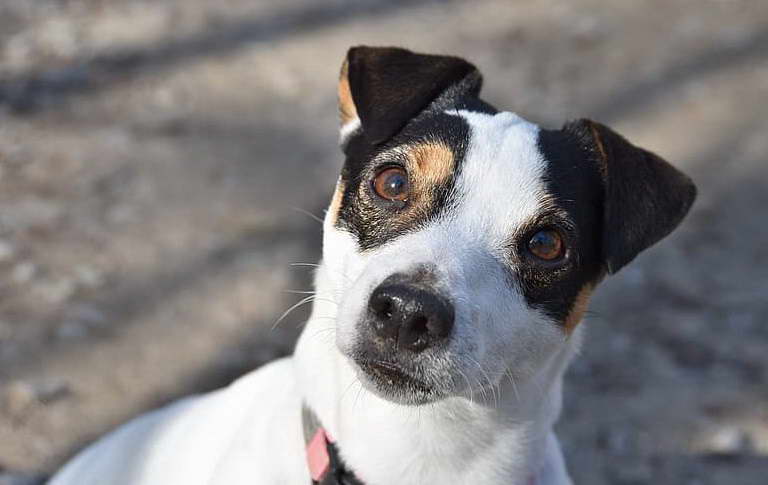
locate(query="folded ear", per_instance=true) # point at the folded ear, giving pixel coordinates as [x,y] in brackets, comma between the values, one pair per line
[645,197]
[387,86]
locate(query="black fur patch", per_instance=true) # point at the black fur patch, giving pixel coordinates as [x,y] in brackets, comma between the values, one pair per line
[610,199]
[575,209]
[374,222]
[390,86]
[645,197]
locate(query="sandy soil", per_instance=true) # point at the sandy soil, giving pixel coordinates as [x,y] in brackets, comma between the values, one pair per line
[158,159]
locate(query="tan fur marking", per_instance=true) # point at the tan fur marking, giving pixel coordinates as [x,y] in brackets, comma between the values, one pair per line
[347,110]
[578,309]
[432,164]
[429,165]
[335,206]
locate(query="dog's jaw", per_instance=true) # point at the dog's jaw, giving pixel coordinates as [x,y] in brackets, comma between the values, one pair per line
[493,439]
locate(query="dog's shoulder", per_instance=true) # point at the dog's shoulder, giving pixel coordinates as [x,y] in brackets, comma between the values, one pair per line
[196,438]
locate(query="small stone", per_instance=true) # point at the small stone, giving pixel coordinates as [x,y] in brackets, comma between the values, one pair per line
[730,439]
[88,276]
[71,330]
[18,396]
[57,290]
[57,36]
[51,390]
[23,272]
[29,213]
[7,251]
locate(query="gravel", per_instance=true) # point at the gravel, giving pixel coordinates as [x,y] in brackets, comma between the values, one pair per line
[152,156]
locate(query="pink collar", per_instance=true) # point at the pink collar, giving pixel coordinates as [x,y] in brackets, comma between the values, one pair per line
[317,455]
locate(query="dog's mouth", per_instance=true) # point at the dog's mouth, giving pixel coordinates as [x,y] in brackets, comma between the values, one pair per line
[392,382]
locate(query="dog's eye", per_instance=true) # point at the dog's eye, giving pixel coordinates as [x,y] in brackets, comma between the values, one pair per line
[547,244]
[392,184]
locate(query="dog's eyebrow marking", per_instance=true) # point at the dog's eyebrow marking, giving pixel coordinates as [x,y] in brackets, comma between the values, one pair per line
[432,164]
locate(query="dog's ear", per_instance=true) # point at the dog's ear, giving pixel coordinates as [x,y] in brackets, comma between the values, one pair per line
[645,197]
[387,86]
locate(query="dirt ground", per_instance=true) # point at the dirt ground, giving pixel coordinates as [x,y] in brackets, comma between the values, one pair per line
[160,161]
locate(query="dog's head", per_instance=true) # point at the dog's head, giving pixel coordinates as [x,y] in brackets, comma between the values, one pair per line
[463,243]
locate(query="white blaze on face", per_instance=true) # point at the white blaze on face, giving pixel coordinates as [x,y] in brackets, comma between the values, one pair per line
[500,188]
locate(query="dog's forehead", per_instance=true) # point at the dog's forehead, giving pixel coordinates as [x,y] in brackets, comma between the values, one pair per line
[500,185]
[484,171]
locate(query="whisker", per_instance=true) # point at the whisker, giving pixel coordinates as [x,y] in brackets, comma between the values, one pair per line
[347,390]
[292,308]
[357,396]
[316,265]
[469,386]
[313,265]
[307,213]
[488,379]
[511,377]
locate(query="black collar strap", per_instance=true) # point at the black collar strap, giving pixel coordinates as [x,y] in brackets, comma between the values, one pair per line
[325,465]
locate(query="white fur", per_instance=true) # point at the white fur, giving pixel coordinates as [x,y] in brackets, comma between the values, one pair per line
[506,359]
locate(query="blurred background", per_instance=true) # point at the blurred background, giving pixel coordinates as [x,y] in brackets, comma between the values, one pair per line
[161,162]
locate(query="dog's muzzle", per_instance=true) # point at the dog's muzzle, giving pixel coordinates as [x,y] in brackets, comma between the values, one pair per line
[405,328]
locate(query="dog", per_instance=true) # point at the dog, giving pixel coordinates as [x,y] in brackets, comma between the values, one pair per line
[460,250]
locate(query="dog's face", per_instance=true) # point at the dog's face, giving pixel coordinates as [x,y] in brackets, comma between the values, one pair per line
[463,243]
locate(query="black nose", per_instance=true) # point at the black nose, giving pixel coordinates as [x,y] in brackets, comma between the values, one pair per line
[409,317]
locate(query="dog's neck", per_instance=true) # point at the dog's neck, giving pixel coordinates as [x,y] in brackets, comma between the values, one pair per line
[500,435]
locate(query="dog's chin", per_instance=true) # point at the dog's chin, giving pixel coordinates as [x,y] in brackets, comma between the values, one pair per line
[390,381]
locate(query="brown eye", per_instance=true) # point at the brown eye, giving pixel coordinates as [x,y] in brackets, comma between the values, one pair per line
[392,184]
[547,245]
